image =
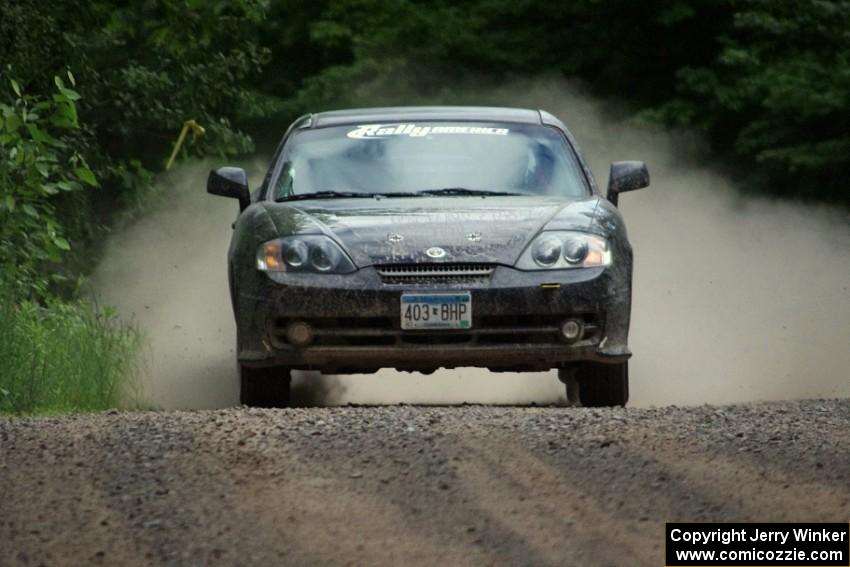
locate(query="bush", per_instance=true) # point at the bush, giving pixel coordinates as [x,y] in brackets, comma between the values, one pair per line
[56,356]
[63,357]
[776,97]
[40,163]
[143,69]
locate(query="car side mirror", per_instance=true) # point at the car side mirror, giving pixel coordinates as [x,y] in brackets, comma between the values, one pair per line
[230,182]
[626,176]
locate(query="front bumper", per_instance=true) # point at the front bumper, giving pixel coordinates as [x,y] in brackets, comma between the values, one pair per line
[356,318]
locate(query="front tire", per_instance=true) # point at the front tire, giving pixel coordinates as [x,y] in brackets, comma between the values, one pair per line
[264,387]
[596,385]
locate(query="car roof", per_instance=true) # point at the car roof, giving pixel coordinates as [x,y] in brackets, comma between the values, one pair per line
[412,113]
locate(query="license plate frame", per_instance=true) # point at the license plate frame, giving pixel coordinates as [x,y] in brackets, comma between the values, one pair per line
[446,311]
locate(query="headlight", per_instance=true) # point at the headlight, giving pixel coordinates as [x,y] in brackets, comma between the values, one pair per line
[558,250]
[295,253]
[308,253]
[324,256]
[546,250]
[576,249]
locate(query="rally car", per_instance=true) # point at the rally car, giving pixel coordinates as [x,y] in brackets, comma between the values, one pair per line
[420,238]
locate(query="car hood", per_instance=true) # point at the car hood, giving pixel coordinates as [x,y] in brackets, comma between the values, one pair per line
[402,230]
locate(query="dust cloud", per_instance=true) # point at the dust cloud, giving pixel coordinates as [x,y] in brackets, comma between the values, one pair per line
[734,299]
[167,271]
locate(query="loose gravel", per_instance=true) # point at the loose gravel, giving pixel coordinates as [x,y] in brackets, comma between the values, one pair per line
[465,485]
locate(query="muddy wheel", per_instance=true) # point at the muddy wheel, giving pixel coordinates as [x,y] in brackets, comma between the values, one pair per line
[597,385]
[264,387]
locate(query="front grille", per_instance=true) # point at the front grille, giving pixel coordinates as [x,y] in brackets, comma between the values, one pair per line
[395,274]
[486,330]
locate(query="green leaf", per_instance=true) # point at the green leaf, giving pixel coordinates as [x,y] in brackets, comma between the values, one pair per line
[69,185]
[30,210]
[61,243]
[42,169]
[61,122]
[66,114]
[16,87]
[51,253]
[13,122]
[85,174]
[10,203]
[37,134]
[70,94]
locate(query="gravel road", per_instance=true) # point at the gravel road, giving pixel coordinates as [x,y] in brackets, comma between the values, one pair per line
[408,485]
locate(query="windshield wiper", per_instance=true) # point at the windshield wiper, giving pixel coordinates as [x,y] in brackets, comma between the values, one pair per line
[447,191]
[344,195]
[452,191]
[326,195]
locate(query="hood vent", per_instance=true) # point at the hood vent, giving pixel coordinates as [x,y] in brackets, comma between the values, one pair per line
[434,273]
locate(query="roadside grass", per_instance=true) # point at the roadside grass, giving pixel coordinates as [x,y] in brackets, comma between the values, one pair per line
[64,357]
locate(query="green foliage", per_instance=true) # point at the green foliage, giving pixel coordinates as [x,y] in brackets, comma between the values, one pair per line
[766,82]
[77,152]
[39,162]
[441,43]
[777,96]
[57,356]
[63,357]
[142,69]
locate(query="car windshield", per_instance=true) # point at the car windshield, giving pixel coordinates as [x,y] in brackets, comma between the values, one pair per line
[428,158]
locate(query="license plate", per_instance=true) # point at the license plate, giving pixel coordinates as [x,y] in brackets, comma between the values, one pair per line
[436,310]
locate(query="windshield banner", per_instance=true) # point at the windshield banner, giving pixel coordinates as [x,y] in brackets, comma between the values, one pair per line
[377,131]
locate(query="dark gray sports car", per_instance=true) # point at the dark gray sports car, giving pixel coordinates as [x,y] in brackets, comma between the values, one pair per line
[425,238]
